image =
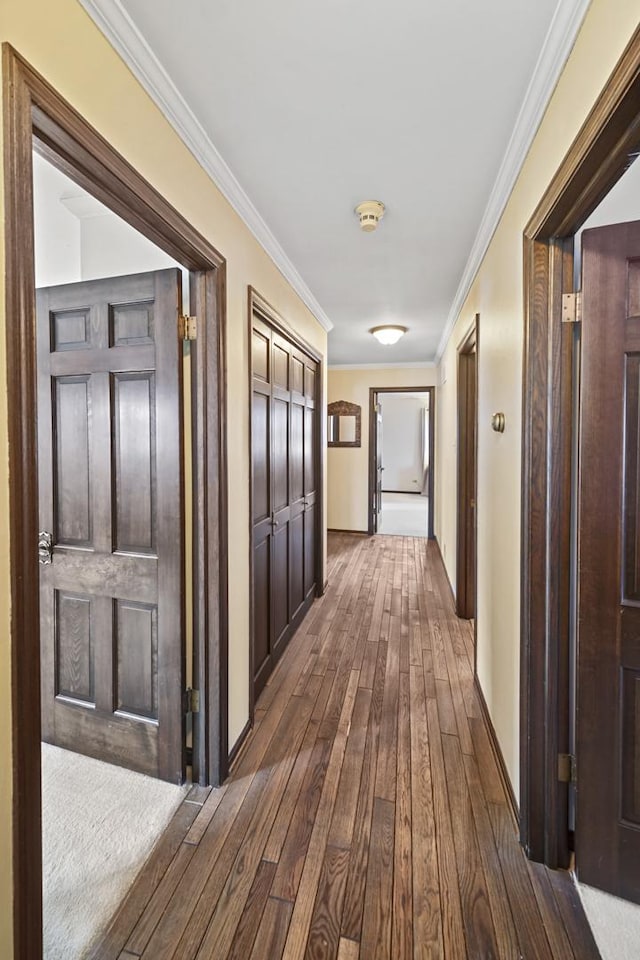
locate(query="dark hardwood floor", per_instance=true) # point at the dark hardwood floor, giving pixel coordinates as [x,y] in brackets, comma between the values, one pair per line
[366,817]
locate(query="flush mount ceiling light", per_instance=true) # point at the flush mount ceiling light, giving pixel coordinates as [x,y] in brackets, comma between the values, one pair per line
[370,213]
[388,334]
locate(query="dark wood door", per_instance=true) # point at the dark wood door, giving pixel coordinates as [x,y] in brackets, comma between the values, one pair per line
[109,474]
[608,701]
[284,485]
[379,468]
[467,473]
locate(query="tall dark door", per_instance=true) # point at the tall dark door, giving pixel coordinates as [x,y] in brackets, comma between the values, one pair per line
[608,702]
[467,472]
[378,467]
[284,485]
[111,548]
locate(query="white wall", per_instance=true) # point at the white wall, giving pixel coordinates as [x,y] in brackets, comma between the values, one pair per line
[402,441]
[57,235]
[77,238]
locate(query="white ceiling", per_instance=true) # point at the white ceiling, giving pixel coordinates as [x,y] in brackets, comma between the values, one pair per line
[317,106]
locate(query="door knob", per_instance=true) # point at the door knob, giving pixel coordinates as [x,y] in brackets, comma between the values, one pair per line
[45,547]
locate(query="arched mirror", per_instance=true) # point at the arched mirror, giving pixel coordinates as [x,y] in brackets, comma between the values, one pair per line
[343,424]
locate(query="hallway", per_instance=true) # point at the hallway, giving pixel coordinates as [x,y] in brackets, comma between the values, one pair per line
[366,817]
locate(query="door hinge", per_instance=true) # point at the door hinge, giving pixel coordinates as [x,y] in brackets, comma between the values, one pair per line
[191,701]
[567,768]
[188,328]
[572,307]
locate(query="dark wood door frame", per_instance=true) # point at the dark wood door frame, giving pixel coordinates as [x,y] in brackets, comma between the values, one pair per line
[603,149]
[373,399]
[261,308]
[467,479]
[36,116]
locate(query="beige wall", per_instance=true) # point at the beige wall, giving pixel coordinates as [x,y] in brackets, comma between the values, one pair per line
[59,40]
[348,467]
[497,294]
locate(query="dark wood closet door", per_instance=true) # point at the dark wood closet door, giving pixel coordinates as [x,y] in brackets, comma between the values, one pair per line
[311,471]
[280,490]
[608,709]
[110,464]
[284,483]
[262,526]
[298,465]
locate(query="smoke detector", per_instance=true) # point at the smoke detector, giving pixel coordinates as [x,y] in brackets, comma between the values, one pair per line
[370,213]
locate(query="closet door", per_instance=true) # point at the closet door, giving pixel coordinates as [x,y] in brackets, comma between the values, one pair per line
[297,523]
[311,470]
[261,500]
[284,482]
[280,492]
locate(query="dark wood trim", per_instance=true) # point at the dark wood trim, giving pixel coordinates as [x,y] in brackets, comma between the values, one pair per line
[470,345]
[23,513]
[411,493]
[210,511]
[358,533]
[373,395]
[603,149]
[35,116]
[371,462]
[260,307]
[497,752]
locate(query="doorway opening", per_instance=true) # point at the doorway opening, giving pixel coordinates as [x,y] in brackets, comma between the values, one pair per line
[467,473]
[114,450]
[579,714]
[38,119]
[401,464]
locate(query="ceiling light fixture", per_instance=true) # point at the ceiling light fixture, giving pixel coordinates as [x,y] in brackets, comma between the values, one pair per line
[370,213]
[388,334]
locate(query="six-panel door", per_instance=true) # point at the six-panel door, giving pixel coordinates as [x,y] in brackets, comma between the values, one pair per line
[608,714]
[284,485]
[110,461]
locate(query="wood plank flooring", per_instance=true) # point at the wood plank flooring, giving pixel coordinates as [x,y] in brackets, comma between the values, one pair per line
[366,817]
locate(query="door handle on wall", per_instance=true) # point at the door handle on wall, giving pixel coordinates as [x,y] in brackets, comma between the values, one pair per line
[45,548]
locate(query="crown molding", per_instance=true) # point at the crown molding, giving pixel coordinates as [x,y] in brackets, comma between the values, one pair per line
[426,365]
[561,36]
[123,35]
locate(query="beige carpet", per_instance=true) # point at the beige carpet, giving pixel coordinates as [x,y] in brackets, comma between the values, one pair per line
[615,923]
[100,823]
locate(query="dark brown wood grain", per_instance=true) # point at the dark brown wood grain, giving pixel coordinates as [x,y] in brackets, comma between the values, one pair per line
[110,449]
[467,447]
[608,694]
[286,455]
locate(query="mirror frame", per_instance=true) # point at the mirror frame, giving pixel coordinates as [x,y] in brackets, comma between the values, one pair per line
[342,408]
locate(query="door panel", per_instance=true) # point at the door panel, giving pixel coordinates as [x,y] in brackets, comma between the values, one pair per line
[280,454]
[297,563]
[309,551]
[280,584]
[284,489]
[110,461]
[608,709]
[261,456]
[261,605]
